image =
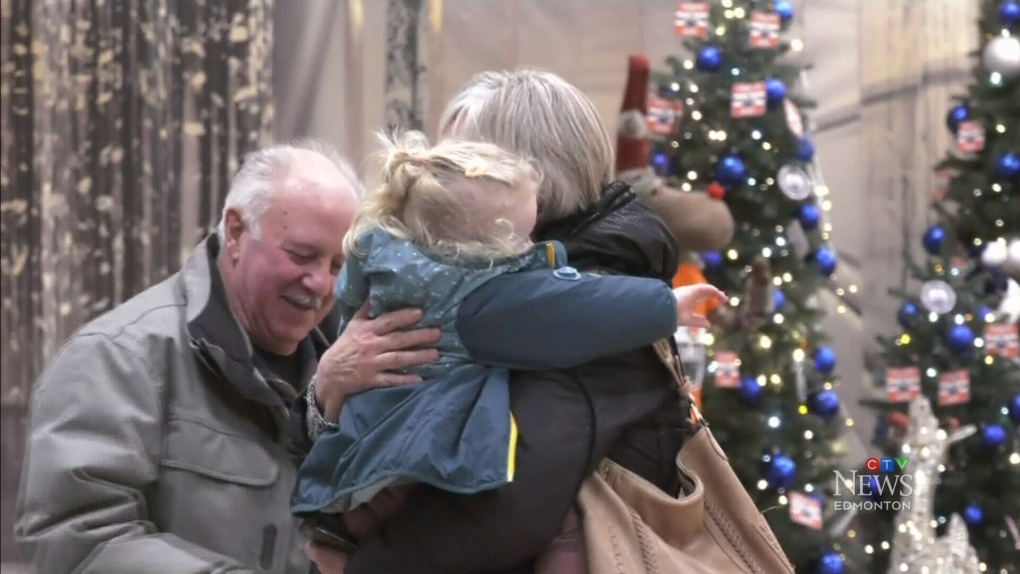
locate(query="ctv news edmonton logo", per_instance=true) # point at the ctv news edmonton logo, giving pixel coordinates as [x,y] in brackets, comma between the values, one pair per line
[872,487]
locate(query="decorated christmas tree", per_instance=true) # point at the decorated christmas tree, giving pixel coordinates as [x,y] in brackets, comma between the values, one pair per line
[729,121]
[958,344]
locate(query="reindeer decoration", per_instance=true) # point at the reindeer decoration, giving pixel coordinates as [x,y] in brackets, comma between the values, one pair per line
[916,549]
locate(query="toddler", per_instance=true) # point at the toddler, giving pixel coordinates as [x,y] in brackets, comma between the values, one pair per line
[446,220]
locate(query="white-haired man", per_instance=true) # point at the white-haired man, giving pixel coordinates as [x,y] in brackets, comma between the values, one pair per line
[159,433]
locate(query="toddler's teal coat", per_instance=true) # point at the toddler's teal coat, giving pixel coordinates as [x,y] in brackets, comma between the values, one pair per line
[455,430]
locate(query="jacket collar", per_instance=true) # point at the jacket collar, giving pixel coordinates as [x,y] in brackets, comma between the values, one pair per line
[216,335]
[618,234]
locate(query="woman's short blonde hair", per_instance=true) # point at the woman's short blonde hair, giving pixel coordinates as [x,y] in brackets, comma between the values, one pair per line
[452,199]
[539,115]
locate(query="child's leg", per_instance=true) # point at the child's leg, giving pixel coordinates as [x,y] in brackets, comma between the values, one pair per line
[363,520]
[566,554]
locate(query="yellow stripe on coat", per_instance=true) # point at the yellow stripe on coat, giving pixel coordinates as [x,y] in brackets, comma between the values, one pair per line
[512,456]
[550,253]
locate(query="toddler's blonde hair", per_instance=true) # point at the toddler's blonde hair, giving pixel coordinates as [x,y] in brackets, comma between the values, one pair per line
[451,199]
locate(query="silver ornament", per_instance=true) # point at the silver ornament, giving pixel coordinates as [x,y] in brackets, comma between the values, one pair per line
[794,182]
[1002,55]
[690,341]
[938,296]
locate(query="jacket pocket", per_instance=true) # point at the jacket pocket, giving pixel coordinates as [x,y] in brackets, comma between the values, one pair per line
[201,448]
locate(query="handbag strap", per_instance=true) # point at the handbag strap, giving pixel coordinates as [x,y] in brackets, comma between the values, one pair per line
[671,360]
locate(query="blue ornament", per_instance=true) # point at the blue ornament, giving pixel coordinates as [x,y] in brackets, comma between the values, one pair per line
[973,515]
[826,259]
[975,251]
[960,338]
[809,216]
[781,472]
[982,312]
[830,563]
[1007,166]
[1009,12]
[730,170]
[778,300]
[784,9]
[824,403]
[881,430]
[958,113]
[1014,409]
[993,436]
[712,261]
[749,390]
[871,487]
[933,239]
[906,314]
[825,360]
[709,59]
[805,149]
[775,92]
[661,162]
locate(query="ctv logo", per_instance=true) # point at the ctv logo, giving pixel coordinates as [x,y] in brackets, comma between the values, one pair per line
[886,465]
[881,481]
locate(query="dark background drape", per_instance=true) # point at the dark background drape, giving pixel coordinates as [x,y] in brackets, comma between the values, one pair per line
[121,125]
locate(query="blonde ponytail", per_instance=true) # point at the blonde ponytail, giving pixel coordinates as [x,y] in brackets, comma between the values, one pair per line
[431,194]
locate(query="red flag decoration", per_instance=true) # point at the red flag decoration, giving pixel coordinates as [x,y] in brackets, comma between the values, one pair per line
[663,114]
[764,30]
[902,384]
[970,137]
[727,370]
[1001,340]
[793,118]
[954,388]
[748,100]
[691,20]
[806,509]
[941,187]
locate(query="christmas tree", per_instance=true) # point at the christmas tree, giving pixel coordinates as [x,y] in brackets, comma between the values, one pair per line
[958,345]
[729,121]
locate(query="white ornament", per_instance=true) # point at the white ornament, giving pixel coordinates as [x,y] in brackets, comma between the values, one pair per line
[1002,55]
[794,182]
[1009,306]
[1011,266]
[938,296]
[995,253]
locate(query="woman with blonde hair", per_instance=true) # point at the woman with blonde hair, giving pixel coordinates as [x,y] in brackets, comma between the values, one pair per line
[447,221]
[623,405]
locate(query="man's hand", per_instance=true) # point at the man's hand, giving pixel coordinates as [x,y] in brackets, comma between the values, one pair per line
[369,354]
[326,559]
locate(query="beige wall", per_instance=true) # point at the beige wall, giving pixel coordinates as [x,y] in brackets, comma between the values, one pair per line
[883,71]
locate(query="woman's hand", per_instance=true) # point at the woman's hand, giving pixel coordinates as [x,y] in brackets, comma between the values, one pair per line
[326,559]
[687,300]
[369,354]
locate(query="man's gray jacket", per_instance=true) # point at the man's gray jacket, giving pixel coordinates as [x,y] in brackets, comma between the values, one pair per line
[155,445]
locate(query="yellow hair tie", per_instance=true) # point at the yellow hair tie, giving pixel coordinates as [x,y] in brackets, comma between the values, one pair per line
[476,168]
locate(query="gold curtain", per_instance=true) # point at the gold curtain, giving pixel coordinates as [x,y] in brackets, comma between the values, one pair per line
[122,123]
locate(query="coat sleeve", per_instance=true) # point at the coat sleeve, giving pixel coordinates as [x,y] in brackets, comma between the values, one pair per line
[94,444]
[540,320]
[351,289]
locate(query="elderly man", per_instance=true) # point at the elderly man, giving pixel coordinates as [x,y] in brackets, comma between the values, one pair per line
[159,432]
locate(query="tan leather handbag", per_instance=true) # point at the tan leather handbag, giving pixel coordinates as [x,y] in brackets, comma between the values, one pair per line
[632,527]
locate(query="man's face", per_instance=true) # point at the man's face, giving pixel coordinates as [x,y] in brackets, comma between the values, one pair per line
[282,280]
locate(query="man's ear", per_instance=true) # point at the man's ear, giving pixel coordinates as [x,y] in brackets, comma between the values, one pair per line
[233,227]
